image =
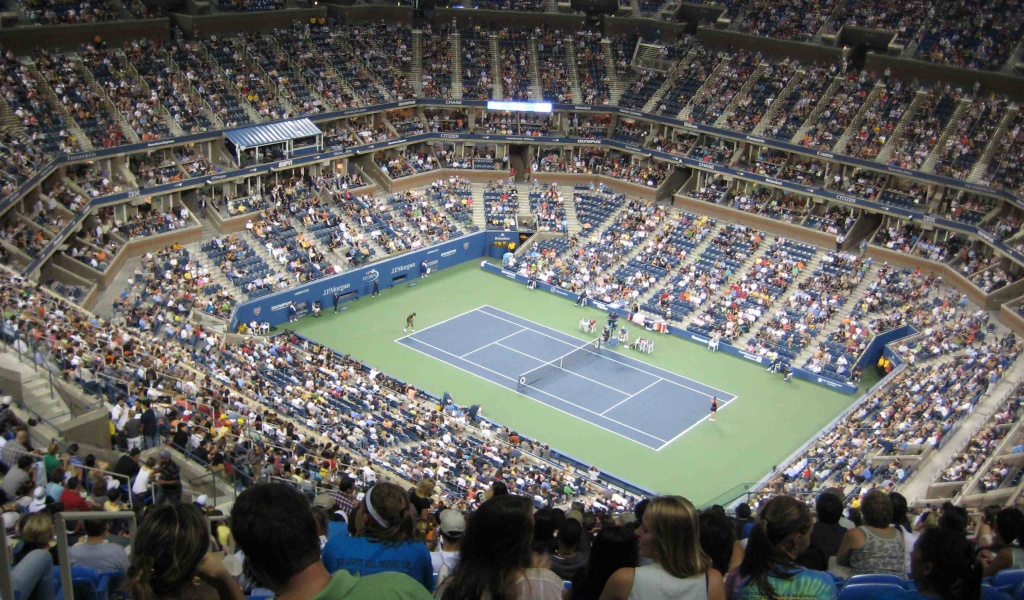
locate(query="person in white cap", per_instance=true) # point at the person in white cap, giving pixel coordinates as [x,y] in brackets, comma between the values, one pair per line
[38,502]
[446,557]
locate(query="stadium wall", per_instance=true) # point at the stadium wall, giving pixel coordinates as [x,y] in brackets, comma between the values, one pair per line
[995,81]
[22,40]
[353,284]
[701,13]
[803,51]
[775,226]
[841,386]
[193,25]
[1011,317]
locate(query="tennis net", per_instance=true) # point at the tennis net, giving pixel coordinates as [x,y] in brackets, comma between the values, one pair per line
[560,363]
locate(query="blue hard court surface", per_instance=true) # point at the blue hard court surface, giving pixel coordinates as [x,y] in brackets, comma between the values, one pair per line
[613,391]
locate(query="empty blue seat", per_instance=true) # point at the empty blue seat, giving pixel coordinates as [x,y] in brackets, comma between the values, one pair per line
[868,591]
[990,593]
[876,578]
[1006,580]
[87,583]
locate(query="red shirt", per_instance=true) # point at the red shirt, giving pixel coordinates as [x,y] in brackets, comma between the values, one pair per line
[74,501]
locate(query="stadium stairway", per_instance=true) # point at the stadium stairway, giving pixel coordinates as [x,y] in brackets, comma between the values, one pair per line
[826,99]
[535,85]
[416,70]
[283,95]
[793,287]
[572,219]
[951,128]
[8,119]
[684,113]
[56,105]
[916,486]
[981,167]
[780,101]
[1015,59]
[852,300]
[574,75]
[31,386]
[724,289]
[651,106]
[479,218]
[108,104]
[742,94]
[901,128]
[840,145]
[208,111]
[334,74]
[524,199]
[219,73]
[691,257]
[645,54]
[498,91]
[456,41]
[614,85]
[133,73]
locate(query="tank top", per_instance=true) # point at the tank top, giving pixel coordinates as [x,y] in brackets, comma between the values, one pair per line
[652,582]
[880,555]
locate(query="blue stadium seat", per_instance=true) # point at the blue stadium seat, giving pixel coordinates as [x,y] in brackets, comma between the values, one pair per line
[990,593]
[1006,580]
[867,591]
[875,578]
[88,584]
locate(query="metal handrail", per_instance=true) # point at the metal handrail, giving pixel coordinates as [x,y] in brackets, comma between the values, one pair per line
[6,577]
[116,476]
[62,540]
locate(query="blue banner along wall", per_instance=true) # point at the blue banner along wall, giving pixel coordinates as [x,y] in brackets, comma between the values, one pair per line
[356,283]
[842,386]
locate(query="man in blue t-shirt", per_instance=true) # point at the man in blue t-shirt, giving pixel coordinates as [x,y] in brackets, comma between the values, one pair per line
[383,540]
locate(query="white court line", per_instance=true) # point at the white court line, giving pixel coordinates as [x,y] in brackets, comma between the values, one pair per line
[493,343]
[707,417]
[564,369]
[443,322]
[636,394]
[513,379]
[634,367]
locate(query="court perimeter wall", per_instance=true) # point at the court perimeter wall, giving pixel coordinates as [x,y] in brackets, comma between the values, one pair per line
[358,282]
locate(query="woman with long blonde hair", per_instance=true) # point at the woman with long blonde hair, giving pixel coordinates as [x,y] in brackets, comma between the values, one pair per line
[669,535]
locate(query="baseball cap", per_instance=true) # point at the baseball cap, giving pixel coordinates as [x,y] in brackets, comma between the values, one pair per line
[164,454]
[134,452]
[7,400]
[11,520]
[202,500]
[453,523]
[38,502]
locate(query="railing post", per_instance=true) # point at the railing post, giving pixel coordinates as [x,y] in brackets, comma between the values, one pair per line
[6,582]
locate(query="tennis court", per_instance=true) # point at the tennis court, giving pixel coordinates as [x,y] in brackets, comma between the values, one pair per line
[608,389]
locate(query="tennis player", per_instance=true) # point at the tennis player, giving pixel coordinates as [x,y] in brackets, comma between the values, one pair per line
[714,407]
[408,323]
